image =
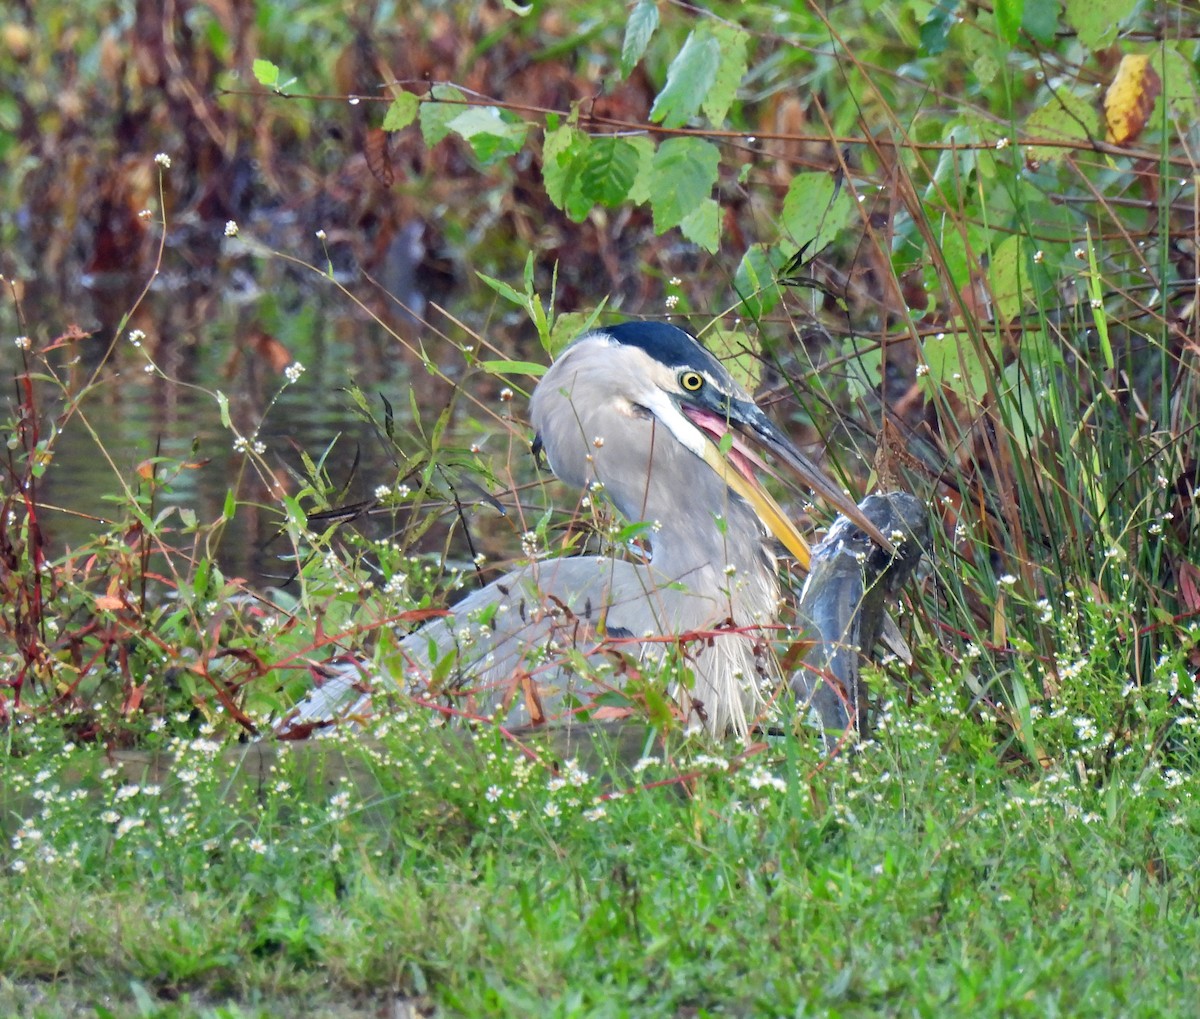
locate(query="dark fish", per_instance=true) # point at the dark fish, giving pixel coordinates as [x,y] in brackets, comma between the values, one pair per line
[850,585]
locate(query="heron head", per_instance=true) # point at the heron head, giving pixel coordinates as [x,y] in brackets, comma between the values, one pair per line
[600,411]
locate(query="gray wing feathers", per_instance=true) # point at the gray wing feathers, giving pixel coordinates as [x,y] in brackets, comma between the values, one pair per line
[530,647]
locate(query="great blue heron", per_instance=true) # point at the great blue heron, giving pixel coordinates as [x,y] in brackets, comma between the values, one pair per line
[645,414]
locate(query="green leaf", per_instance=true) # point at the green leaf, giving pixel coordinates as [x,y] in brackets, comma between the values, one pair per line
[639,192]
[982,49]
[1066,116]
[735,350]
[608,170]
[1027,382]
[1178,82]
[814,211]
[563,154]
[571,325]
[1008,19]
[935,30]
[1040,20]
[640,27]
[266,73]
[960,250]
[863,370]
[754,281]
[1008,279]
[1095,285]
[1023,716]
[1096,21]
[702,225]
[957,364]
[527,276]
[402,112]
[436,115]
[684,172]
[505,291]
[201,578]
[732,42]
[513,367]
[490,136]
[689,78]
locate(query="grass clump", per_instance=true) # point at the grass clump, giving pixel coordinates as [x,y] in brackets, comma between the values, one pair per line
[418,866]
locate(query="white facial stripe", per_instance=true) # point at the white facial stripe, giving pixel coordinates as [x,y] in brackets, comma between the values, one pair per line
[665,409]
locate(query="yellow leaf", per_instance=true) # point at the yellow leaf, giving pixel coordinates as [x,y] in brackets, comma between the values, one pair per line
[1130,98]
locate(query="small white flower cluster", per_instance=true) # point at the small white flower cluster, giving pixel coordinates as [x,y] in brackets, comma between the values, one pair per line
[23,343]
[574,774]
[386,493]
[243,445]
[163,160]
[1070,670]
[128,824]
[761,778]
[339,804]
[231,229]
[293,372]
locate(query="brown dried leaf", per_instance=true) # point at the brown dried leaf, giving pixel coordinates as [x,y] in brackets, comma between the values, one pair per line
[1189,585]
[1130,98]
[611,713]
[533,699]
[268,348]
[379,156]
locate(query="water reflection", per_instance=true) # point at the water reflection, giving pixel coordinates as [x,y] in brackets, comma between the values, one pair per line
[199,345]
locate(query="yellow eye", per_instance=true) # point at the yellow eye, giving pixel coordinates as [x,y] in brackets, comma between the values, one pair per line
[692,382]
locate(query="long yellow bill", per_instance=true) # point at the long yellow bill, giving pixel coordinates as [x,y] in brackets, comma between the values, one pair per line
[768,510]
[744,418]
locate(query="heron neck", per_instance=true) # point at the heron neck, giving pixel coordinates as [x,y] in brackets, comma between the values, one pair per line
[733,541]
[709,542]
